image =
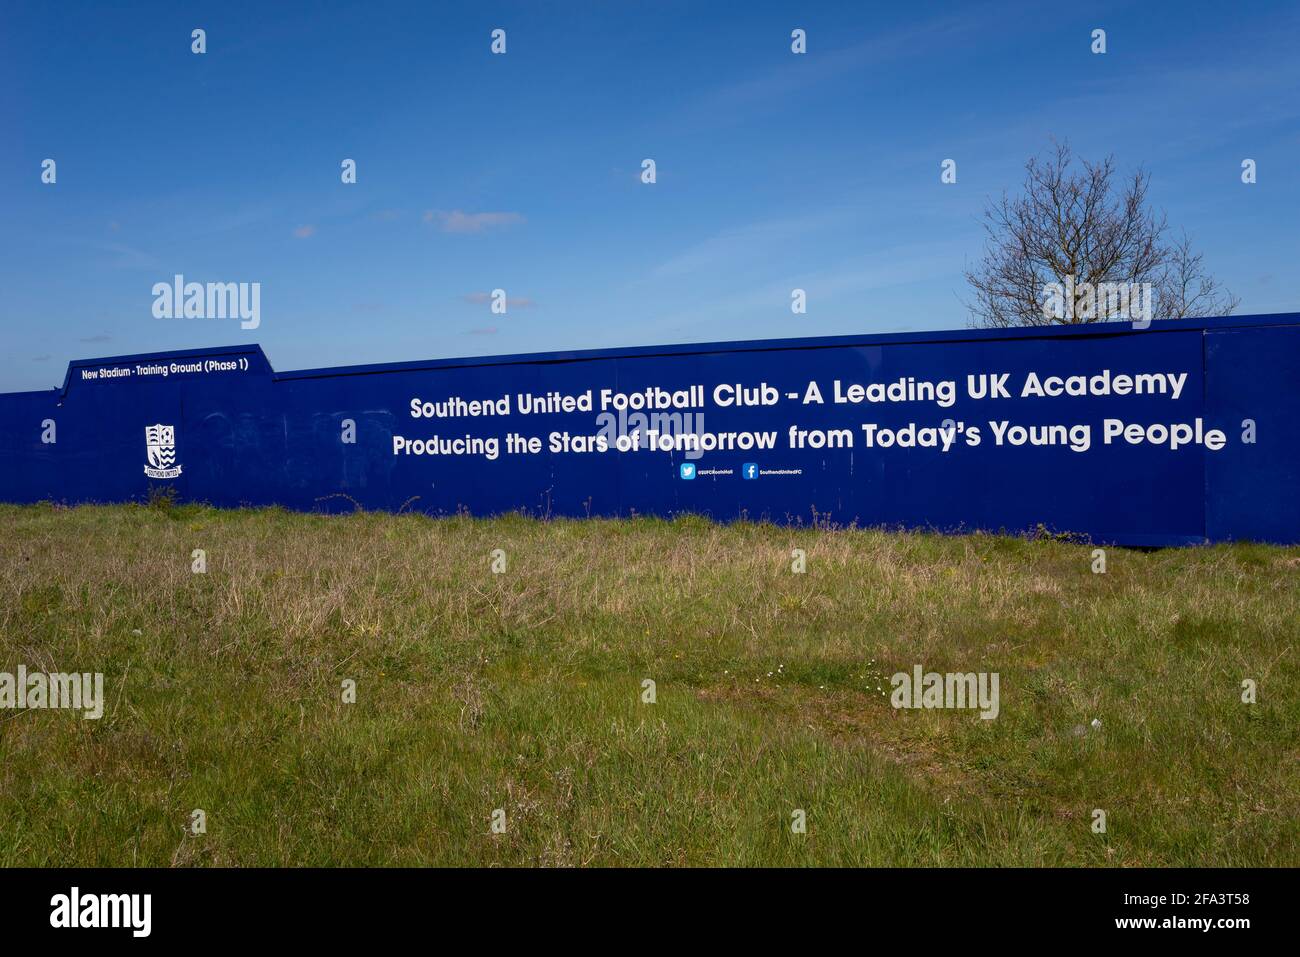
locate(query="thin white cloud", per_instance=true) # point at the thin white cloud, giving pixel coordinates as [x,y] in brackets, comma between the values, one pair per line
[127,257]
[795,73]
[516,302]
[459,221]
[855,284]
[747,243]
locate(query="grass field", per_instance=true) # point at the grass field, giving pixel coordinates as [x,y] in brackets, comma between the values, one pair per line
[522,691]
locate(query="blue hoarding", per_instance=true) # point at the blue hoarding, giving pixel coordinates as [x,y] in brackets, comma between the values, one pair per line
[1184,432]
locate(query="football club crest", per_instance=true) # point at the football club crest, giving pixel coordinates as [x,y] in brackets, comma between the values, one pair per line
[160,446]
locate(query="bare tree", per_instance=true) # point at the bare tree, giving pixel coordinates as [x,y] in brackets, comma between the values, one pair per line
[1075,230]
[1186,290]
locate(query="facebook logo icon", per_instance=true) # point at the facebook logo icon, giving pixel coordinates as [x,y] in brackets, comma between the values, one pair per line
[688,470]
[749,470]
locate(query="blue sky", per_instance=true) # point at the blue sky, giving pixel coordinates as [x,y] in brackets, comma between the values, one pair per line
[522,171]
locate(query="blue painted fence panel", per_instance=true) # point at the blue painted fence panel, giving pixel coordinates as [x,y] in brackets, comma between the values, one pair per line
[230,431]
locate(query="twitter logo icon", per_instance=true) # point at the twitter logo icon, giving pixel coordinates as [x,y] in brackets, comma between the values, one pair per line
[688,470]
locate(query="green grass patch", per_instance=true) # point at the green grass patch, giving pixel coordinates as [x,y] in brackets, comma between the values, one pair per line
[521,691]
